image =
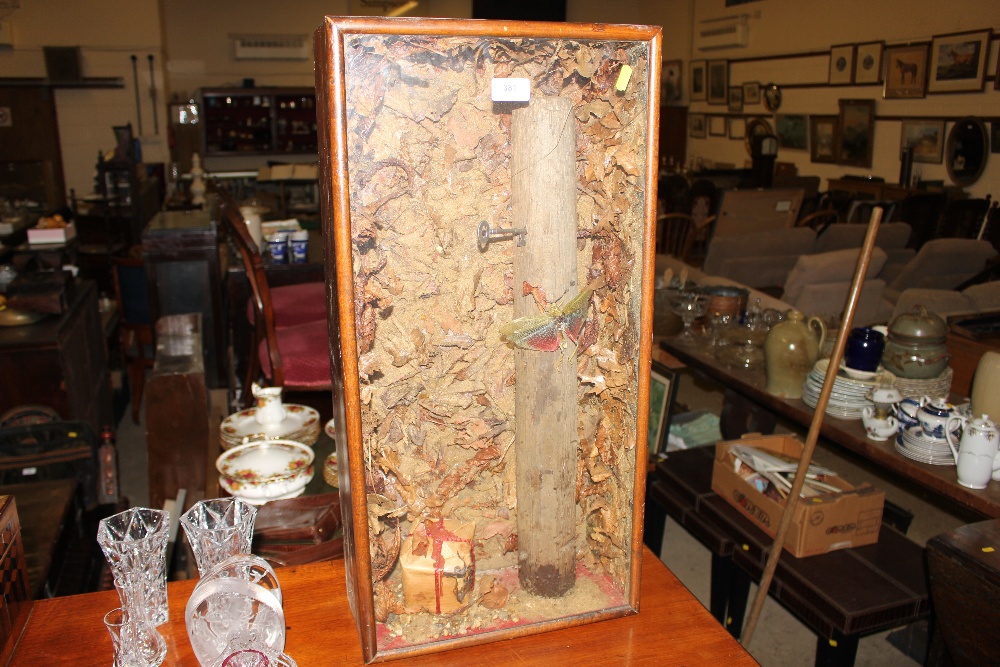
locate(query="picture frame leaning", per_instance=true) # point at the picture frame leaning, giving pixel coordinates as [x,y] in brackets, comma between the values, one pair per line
[662,391]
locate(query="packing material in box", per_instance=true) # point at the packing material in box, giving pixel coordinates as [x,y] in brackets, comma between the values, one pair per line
[849,518]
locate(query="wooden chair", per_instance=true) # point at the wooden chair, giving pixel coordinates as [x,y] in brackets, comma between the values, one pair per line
[294,355]
[675,233]
[135,327]
[819,220]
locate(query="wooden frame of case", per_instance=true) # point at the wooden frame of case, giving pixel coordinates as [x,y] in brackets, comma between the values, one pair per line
[334,41]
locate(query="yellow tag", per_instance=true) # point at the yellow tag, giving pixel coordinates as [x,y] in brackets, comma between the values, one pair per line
[746,547]
[72,434]
[988,550]
[833,642]
[623,77]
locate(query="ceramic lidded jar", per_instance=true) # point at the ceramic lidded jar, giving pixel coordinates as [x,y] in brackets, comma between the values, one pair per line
[790,351]
[915,347]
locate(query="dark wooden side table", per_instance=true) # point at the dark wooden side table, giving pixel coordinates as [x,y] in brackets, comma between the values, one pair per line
[841,596]
[964,567]
[60,362]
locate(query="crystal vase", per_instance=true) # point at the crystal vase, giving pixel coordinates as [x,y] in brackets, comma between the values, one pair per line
[135,545]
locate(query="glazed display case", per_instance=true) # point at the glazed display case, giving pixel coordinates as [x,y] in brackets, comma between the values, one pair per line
[488,201]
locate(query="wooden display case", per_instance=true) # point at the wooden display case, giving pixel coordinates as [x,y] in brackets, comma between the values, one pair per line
[493,264]
[242,121]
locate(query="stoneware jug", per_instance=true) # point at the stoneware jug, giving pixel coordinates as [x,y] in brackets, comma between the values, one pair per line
[977,454]
[790,351]
[270,411]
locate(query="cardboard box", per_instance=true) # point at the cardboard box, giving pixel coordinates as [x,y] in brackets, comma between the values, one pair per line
[56,235]
[822,524]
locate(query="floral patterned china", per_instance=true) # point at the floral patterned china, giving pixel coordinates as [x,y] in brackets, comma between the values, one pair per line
[301,423]
[266,470]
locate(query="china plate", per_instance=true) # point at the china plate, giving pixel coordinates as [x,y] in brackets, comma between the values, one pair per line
[242,426]
[922,458]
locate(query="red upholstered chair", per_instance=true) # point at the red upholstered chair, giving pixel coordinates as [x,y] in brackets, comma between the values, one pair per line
[295,354]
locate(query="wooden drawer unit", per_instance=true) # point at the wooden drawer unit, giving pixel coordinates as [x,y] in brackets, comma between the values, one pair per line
[13,579]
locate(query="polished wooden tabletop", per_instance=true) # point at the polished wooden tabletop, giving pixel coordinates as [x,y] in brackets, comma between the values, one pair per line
[672,628]
[849,434]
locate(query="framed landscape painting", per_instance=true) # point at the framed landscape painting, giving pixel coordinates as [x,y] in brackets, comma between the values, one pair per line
[905,74]
[823,138]
[856,132]
[924,138]
[718,81]
[792,131]
[751,92]
[662,390]
[958,62]
[697,79]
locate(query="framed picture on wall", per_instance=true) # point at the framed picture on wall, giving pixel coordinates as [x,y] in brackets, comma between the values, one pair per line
[792,131]
[905,74]
[662,390]
[697,126]
[736,98]
[823,138]
[868,63]
[958,62]
[841,64]
[718,81]
[737,128]
[751,92]
[856,132]
[924,138]
[717,126]
[697,79]
[670,82]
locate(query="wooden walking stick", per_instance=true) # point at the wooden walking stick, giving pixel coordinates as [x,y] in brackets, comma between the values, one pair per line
[810,446]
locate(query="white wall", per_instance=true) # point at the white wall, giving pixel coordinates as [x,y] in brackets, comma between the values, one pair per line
[789,26]
[108,33]
[190,42]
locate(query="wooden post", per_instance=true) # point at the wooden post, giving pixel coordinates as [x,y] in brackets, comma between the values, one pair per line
[864,259]
[543,196]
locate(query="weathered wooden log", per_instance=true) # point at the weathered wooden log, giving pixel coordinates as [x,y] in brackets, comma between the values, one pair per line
[543,167]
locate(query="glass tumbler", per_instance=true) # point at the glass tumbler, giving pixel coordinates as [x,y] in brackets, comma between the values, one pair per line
[136,643]
[135,545]
[217,529]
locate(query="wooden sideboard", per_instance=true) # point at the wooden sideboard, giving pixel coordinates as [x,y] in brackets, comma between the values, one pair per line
[881,191]
[60,362]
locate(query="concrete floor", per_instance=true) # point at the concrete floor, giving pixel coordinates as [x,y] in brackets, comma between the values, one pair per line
[780,640]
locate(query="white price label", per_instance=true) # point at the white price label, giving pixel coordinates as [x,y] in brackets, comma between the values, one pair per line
[511,90]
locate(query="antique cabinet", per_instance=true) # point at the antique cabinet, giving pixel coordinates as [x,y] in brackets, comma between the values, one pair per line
[258,120]
[489,193]
[184,264]
[60,362]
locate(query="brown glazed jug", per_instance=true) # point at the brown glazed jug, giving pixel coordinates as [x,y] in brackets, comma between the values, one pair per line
[790,351]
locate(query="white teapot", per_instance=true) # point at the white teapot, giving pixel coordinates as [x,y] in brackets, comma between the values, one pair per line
[978,452]
[270,411]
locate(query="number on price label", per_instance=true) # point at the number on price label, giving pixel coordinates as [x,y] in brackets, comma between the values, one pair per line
[511,90]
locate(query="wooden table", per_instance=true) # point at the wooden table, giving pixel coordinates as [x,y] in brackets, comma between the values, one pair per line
[673,628]
[748,407]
